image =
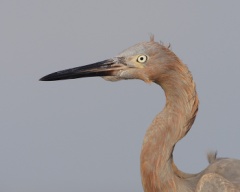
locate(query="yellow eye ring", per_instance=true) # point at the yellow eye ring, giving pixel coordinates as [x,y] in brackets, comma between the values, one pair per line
[142,59]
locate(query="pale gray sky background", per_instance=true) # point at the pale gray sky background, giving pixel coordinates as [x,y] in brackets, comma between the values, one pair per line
[86,134]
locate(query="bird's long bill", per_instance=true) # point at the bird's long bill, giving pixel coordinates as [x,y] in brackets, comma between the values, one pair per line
[102,68]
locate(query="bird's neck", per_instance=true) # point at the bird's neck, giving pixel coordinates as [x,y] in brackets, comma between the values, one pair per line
[158,170]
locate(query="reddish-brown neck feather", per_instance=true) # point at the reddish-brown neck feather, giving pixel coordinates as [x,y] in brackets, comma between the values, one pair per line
[157,168]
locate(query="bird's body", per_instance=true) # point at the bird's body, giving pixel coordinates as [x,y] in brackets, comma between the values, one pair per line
[153,62]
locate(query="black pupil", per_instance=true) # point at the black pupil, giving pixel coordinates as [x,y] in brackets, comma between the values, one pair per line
[141,58]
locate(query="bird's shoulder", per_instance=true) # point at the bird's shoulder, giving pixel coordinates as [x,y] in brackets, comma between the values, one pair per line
[226,168]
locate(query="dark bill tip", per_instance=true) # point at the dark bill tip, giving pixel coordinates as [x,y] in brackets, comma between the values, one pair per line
[102,68]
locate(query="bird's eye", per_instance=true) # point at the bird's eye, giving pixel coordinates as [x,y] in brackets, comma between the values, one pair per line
[142,59]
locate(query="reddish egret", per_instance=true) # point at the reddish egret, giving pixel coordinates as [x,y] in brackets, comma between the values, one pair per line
[153,62]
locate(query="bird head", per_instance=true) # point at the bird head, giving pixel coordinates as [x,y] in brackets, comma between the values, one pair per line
[142,61]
